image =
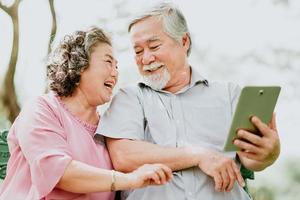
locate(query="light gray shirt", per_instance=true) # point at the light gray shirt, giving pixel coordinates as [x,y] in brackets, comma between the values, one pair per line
[199,114]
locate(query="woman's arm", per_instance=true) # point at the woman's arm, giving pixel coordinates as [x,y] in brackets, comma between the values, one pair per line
[82,178]
[127,155]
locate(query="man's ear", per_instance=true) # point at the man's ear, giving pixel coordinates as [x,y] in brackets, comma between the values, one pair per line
[186,41]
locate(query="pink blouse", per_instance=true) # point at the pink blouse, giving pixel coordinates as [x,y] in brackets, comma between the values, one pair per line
[42,141]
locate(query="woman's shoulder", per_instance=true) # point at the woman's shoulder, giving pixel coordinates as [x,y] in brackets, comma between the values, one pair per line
[44,103]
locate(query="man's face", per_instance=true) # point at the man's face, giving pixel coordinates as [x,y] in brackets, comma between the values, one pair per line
[158,56]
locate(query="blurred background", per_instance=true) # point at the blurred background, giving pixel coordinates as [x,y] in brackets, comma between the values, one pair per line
[250,42]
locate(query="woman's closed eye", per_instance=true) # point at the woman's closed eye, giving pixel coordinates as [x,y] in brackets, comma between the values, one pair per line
[112,63]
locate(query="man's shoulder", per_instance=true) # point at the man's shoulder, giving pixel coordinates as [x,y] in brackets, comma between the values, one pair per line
[131,89]
[218,83]
[222,87]
[134,89]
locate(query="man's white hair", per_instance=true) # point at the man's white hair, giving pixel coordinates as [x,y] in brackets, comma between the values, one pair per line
[173,21]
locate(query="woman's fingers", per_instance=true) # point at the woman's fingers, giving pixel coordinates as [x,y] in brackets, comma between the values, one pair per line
[159,173]
[168,172]
[155,177]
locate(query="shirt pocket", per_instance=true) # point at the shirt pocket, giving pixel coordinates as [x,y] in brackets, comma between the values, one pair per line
[159,127]
[208,125]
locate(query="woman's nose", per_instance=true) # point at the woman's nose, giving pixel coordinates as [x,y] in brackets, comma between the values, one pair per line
[114,71]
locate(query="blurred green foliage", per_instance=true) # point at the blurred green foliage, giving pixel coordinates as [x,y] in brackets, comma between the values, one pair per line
[283,186]
[262,193]
[4,123]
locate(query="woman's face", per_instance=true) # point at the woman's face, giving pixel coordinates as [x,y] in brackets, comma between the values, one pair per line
[101,76]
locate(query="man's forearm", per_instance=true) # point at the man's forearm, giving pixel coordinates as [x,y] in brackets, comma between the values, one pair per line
[127,155]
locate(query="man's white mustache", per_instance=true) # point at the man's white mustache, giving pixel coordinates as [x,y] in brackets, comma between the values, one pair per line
[157,81]
[152,66]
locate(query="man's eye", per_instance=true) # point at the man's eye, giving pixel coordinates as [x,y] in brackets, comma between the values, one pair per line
[109,61]
[138,52]
[154,47]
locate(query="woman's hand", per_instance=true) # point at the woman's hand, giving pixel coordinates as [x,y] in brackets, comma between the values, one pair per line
[149,174]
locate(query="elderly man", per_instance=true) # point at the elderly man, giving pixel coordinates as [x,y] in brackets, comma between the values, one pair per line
[176,117]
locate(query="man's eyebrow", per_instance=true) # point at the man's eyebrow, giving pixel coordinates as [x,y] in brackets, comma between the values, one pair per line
[152,39]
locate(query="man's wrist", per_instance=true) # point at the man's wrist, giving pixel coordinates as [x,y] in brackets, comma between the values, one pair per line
[195,154]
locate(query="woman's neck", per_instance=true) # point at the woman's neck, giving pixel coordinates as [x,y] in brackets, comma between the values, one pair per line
[79,106]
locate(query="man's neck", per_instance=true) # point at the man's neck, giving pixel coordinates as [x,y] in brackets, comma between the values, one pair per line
[182,79]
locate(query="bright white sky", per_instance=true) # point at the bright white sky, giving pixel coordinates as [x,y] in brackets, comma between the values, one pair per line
[229,28]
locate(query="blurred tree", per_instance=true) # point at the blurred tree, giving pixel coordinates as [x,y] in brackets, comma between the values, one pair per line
[8,95]
[54,25]
[119,22]
[53,30]
[283,2]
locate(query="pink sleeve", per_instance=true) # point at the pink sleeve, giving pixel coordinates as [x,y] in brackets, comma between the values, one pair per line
[43,142]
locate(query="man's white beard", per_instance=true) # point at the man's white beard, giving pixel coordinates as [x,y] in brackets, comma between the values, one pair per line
[158,81]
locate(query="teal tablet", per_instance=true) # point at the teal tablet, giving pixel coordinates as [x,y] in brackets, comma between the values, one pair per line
[254,100]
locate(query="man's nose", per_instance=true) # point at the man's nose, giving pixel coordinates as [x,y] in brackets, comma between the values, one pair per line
[148,58]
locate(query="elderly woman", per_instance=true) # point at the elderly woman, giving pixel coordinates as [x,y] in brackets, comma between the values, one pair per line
[54,154]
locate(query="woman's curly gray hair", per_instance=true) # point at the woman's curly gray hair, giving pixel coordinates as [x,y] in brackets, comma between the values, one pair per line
[71,57]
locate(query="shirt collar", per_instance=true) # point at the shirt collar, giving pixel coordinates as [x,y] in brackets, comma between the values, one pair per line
[196,79]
